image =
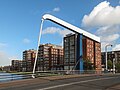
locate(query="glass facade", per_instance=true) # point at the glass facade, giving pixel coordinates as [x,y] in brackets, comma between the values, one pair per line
[69,52]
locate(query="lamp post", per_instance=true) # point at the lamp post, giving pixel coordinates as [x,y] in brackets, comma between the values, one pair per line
[114,66]
[113,53]
[106,67]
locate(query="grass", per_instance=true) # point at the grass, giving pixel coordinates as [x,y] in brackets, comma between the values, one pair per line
[46,74]
[21,73]
[37,74]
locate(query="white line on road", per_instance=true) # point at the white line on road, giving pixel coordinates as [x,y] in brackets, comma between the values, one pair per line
[51,87]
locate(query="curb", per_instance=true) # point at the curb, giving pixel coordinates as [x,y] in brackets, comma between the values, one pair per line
[53,78]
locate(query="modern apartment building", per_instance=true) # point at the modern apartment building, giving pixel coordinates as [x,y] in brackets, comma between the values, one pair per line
[50,57]
[78,48]
[70,52]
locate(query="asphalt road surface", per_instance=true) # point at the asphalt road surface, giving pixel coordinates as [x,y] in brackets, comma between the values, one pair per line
[81,83]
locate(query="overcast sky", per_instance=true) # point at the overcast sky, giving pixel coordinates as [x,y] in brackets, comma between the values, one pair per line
[20,22]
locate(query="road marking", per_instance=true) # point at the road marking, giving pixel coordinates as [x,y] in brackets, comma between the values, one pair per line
[51,87]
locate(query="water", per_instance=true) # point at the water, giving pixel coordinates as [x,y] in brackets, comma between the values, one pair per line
[5,77]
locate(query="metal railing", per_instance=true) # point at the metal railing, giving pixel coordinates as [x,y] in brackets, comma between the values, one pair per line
[67,72]
[4,77]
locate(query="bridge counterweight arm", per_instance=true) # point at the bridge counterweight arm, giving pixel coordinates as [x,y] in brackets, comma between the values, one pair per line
[70,26]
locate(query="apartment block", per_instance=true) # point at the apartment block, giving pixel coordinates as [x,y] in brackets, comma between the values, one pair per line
[70,51]
[77,49]
[27,63]
[50,57]
[29,55]
[15,65]
[92,52]
[28,59]
[6,68]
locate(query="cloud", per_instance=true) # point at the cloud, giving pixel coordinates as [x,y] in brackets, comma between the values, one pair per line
[54,10]
[4,59]
[108,34]
[104,18]
[13,58]
[26,41]
[110,38]
[107,30]
[53,30]
[57,9]
[57,31]
[117,47]
[2,45]
[102,15]
[103,44]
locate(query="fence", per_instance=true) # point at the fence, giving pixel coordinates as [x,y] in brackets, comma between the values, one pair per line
[4,77]
[68,72]
[10,77]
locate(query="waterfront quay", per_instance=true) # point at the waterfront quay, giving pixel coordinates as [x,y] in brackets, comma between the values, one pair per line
[66,82]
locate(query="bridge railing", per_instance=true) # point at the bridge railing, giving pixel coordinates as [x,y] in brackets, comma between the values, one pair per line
[10,77]
[68,72]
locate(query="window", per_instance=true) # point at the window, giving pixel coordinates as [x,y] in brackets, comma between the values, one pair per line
[66,60]
[72,60]
[66,67]
[72,56]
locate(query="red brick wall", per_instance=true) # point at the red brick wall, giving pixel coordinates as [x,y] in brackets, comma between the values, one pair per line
[92,52]
[98,55]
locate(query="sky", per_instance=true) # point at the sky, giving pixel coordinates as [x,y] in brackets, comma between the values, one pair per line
[20,22]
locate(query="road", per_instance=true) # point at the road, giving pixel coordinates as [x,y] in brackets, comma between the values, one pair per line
[81,83]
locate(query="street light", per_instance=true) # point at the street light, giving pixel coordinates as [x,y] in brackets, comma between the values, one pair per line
[113,53]
[114,66]
[106,55]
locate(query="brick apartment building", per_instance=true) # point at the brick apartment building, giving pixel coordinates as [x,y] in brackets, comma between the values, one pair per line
[50,57]
[76,45]
[29,55]
[27,63]
[28,59]
[15,65]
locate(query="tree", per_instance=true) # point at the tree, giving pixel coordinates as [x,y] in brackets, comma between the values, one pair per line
[88,65]
[110,64]
[0,68]
[117,65]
